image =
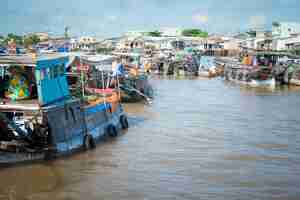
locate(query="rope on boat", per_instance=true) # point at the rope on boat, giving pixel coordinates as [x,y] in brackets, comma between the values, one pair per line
[132,89]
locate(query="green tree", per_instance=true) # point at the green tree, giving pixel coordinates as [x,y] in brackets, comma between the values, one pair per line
[154,33]
[194,33]
[31,40]
[251,33]
[295,51]
[276,24]
[18,39]
[66,34]
[2,38]
[104,50]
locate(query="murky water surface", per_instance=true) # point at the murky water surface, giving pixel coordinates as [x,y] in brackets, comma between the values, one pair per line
[200,139]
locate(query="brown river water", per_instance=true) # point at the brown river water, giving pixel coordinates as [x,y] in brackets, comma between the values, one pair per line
[199,139]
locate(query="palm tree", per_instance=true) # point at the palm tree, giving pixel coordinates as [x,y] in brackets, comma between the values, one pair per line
[67,28]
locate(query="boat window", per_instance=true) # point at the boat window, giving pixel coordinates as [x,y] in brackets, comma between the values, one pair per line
[56,71]
[18,83]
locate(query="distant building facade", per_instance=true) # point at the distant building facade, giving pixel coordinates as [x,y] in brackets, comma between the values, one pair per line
[287,43]
[129,43]
[286,35]
[84,43]
[285,29]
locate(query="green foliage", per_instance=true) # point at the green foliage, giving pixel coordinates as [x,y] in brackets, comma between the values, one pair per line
[2,38]
[18,39]
[194,33]
[76,49]
[276,24]
[252,33]
[66,33]
[295,51]
[104,50]
[31,40]
[154,33]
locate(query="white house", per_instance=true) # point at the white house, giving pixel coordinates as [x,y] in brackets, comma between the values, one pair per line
[285,29]
[261,41]
[231,43]
[286,35]
[85,43]
[131,43]
[286,43]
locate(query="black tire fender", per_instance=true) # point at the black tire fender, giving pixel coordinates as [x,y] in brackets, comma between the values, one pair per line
[124,122]
[112,131]
[88,142]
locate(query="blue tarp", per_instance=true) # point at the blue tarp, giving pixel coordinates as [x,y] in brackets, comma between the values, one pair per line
[2,50]
[97,108]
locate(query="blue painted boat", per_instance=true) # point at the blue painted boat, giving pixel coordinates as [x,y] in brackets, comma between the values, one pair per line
[44,120]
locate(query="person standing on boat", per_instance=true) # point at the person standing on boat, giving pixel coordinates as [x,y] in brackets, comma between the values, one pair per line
[118,68]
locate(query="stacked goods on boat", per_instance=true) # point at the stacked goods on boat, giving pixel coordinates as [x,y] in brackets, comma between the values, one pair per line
[209,68]
[161,60]
[39,116]
[222,61]
[249,72]
[184,63]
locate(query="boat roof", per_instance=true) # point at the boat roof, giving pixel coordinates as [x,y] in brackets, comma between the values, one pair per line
[29,60]
[97,59]
[130,54]
[276,53]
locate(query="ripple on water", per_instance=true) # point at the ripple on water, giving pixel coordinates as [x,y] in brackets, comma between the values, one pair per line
[199,139]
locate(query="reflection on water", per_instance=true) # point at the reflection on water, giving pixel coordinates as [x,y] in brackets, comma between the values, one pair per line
[199,139]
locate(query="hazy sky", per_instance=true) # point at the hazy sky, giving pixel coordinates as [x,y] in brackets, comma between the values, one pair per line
[106,18]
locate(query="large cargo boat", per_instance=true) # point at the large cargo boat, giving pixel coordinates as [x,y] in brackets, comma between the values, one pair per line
[40,118]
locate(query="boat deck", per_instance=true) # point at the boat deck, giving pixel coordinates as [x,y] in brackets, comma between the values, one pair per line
[23,105]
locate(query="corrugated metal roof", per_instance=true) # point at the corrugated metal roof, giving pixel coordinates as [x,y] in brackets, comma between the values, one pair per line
[27,59]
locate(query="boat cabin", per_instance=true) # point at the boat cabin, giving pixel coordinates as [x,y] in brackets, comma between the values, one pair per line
[26,80]
[31,90]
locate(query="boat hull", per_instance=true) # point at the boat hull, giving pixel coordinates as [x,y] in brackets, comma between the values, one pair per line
[258,83]
[295,82]
[207,74]
[68,134]
[250,76]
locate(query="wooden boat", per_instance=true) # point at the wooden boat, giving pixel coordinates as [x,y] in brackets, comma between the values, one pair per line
[136,88]
[208,67]
[262,68]
[280,63]
[294,78]
[50,121]
[184,64]
[134,82]
[249,75]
